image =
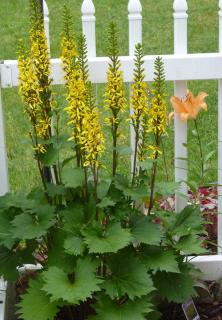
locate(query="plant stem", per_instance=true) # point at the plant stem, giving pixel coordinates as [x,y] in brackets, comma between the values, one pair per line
[135,156]
[95,180]
[115,154]
[200,148]
[153,179]
[164,160]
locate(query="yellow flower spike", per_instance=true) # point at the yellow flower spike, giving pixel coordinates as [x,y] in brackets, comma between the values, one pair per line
[92,139]
[114,95]
[34,81]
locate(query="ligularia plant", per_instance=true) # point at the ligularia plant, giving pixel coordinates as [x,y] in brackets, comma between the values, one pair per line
[101,257]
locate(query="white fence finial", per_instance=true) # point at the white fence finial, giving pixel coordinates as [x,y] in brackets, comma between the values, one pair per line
[88,8]
[220,4]
[180,5]
[134,7]
[89,26]
[46,21]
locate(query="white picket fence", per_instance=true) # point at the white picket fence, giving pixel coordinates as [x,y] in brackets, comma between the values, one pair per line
[179,67]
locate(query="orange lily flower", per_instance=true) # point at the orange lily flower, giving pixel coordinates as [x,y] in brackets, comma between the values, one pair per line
[188,107]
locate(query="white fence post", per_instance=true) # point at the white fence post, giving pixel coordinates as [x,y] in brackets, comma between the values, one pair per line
[4,185]
[219,219]
[88,26]
[46,22]
[180,138]
[135,37]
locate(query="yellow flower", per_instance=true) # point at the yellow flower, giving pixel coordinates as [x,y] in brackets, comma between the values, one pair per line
[69,55]
[157,122]
[188,107]
[114,95]
[155,152]
[39,148]
[34,81]
[91,138]
[139,101]
[76,98]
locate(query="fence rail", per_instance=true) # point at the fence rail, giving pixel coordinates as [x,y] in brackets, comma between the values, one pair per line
[179,68]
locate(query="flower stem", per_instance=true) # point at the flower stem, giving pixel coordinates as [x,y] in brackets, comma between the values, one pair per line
[135,156]
[153,178]
[164,160]
[200,149]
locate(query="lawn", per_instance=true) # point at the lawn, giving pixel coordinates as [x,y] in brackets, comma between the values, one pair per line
[157,39]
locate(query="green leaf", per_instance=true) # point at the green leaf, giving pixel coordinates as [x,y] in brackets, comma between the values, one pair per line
[176,287]
[130,310]
[137,193]
[209,155]
[127,275]
[112,239]
[57,256]
[6,232]
[73,218]
[146,165]
[35,304]
[166,188]
[55,189]
[29,225]
[50,157]
[145,231]
[84,284]
[10,260]
[103,188]
[159,259]
[72,177]
[188,221]
[190,245]
[106,202]
[74,246]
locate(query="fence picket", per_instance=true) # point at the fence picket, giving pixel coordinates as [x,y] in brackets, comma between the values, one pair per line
[46,22]
[135,37]
[180,135]
[219,231]
[88,26]
[4,185]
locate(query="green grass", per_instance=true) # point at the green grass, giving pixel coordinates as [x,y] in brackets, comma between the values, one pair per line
[157,39]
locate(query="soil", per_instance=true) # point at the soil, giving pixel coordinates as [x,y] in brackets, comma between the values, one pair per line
[205,310]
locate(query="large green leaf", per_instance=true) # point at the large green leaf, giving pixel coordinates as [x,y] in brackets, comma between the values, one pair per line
[6,232]
[72,177]
[106,202]
[159,259]
[55,189]
[74,245]
[29,225]
[73,218]
[166,188]
[83,284]
[127,275]
[188,221]
[145,231]
[176,287]
[190,244]
[115,310]
[57,255]
[50,157]
[111,239]
[103,188]
[10,260]
[35,304]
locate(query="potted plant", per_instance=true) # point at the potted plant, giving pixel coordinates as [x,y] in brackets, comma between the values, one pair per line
[106,249]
